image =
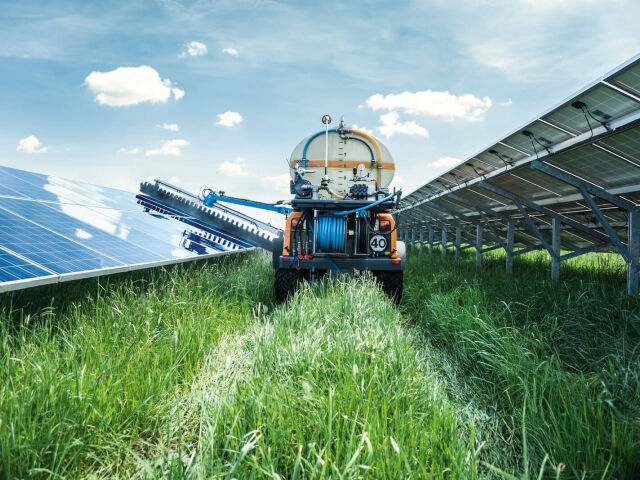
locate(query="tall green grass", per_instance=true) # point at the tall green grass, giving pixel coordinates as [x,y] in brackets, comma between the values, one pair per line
[329,385]
[556,368]
[192,372]
[84,376]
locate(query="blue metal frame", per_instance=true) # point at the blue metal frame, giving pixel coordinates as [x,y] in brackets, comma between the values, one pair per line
[211,198]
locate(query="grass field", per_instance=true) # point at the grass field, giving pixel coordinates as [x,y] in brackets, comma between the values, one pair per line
[193,372]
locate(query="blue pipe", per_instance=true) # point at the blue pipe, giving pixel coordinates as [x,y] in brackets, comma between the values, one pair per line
[211,198]
[335,265]
[373,158]
[366,207]
[306,145]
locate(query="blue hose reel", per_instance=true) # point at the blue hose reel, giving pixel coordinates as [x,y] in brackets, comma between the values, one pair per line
[331,233]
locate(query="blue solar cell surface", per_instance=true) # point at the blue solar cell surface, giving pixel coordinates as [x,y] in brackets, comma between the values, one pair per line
[15,268]
[51,226]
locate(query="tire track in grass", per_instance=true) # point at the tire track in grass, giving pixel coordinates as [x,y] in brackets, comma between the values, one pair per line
[328,385]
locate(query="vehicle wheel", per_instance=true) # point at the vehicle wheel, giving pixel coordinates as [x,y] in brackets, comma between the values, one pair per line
[286,282]
[391,283]
[278,245]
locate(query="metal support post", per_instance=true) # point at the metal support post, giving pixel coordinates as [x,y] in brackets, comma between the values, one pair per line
[634,251]
[478,246]
[556,232]
[509,247]
[413,239]
[443,252]
[458,238]
[430,239]
[421,240]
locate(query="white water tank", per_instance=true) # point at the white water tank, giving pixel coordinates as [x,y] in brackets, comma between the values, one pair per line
[352,149]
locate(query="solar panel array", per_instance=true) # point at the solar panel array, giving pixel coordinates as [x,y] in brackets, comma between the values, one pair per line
[53,229]
[567,180]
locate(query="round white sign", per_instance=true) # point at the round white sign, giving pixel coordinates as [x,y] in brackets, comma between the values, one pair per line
[378,243]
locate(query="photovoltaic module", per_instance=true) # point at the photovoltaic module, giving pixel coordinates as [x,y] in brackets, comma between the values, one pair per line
[53,229]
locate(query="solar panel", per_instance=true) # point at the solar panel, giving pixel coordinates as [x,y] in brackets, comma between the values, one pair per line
[570,177]
[53,229]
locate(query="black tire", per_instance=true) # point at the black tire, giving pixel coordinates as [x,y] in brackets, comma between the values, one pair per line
[285,283]
[391,283]
[278,245]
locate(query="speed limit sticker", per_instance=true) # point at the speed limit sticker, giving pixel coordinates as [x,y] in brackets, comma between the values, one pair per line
[378,243]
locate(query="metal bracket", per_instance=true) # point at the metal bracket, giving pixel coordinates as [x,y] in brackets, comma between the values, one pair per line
[624,252]
[570,222]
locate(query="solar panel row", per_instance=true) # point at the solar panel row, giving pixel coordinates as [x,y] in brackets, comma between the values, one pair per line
[574,170]
[53,229]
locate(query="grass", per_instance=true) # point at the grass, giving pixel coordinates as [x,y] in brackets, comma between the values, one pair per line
[556,369]
[82,381]
[193,372]
[328,385]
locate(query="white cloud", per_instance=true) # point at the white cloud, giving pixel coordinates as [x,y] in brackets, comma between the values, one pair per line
[237,168]
[169,126]
[194,49]
[280,183]
[444,162]
[170,148]
[229,118]
[126,86]
[507,103]
[362,129]
[390,126]
[230,51]
[130,151]
[30,144]
[434,104]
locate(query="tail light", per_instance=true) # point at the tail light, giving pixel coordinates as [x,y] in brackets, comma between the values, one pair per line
[385,225]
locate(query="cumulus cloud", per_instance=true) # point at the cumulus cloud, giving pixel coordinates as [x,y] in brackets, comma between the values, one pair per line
[171,148]
[194,49]
[230,51]
[444,162]
[236,168]
[434,104]
[30,144]
[362,129]
[126,86]
[129,151]
[390,126]
[229,118]
[280,183]
[169,126]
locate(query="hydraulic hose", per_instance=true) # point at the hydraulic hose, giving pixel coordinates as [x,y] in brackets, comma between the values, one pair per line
[366,207]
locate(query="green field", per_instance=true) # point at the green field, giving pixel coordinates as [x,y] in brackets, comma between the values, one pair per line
[194,372]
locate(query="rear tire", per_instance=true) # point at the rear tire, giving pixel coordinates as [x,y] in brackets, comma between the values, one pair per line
[286,282]
[391,283]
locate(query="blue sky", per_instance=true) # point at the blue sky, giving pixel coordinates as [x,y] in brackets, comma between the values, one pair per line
[435,80]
